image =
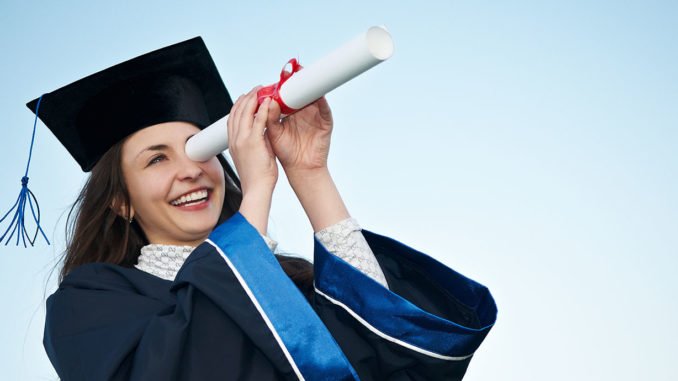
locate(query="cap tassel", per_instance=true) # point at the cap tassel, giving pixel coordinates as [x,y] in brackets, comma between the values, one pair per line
[18,224]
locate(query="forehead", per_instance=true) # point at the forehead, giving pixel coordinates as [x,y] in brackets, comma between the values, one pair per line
[170,134]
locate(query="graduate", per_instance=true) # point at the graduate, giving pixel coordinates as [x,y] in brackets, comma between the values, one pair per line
[168,273]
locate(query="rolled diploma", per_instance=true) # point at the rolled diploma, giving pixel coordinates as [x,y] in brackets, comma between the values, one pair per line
[209,142]
[307,85]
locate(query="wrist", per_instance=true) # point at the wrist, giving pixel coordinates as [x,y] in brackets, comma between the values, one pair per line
[319,197]
[261,188]
[301,177]
[256,207]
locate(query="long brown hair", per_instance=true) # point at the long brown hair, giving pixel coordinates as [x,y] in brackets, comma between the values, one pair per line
[95,232]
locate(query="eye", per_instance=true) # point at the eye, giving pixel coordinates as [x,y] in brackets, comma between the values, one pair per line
[156,159]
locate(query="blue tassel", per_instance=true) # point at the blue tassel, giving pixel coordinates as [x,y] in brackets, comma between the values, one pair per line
[18,224]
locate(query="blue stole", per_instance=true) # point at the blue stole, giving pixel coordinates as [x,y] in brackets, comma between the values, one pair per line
[307,344]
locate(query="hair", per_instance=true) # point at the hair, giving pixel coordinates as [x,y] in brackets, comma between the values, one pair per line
[96,231]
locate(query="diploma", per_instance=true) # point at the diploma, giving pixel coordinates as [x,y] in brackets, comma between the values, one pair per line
[303,87]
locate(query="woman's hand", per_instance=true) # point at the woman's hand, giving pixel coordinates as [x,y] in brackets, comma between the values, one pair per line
[253,157]
[302,140]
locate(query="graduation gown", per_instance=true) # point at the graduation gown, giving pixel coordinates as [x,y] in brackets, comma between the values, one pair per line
[233,314]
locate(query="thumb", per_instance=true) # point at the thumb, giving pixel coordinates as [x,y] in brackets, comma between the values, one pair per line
[324,109]
[273,125]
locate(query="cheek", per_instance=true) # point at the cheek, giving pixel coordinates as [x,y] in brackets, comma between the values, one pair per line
[146,189]
[215,172]
[216,175]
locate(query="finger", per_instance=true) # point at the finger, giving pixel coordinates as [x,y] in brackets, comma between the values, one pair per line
[232,122]
[273,120]
[243,102]
[273,113]
[261,117]
[237,106]
[229,129]
[244,117]
[269,147]
[234,116]
[250,104]
[324,109]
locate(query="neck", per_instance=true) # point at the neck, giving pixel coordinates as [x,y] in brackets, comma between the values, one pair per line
[176,243]
[168,240]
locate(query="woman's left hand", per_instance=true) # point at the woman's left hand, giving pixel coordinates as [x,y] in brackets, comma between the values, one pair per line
[302,140]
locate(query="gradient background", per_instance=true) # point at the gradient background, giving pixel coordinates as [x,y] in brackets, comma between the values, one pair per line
[531,145]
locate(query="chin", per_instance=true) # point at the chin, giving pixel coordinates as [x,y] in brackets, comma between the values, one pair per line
[200,228]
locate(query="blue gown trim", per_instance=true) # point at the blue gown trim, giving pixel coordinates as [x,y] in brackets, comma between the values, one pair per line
[306,342]
[395,318]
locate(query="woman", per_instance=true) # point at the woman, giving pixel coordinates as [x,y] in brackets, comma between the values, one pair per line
[151,290]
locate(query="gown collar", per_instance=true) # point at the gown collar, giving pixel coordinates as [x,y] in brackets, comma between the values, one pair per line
[163,261]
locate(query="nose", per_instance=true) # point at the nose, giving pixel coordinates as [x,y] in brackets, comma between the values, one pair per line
[188,170]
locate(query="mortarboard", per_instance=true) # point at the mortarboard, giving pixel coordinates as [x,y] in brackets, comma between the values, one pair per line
[177,83]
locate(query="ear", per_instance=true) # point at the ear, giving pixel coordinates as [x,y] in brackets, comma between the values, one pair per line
[121,209]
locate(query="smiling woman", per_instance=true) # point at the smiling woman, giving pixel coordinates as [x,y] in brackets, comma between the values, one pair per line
[175,200]
[169,275]
[105,225]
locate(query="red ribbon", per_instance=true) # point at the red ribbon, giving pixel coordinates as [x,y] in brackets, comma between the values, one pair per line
[273,91]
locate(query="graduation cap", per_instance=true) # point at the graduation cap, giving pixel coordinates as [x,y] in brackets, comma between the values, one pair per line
[176,83]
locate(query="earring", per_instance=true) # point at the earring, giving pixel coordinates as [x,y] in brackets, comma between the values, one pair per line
[131,219]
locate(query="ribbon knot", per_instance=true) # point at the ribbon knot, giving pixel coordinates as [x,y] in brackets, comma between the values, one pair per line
[24,181]
[273,91]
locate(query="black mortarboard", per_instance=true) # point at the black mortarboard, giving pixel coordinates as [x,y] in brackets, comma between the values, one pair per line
[176,83]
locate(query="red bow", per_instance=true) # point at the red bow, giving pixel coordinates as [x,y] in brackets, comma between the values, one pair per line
[272,91]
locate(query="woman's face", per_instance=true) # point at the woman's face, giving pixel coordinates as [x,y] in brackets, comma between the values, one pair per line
[174,199]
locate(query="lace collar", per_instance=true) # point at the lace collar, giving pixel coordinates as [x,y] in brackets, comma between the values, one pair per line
[163,261]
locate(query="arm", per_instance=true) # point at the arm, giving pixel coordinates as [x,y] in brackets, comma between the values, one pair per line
[301,142]
[426,326]
[252,151]
[231,313]
[253,158]
[107,322]
[318,196]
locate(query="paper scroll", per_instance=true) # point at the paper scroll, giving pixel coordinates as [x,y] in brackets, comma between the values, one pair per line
[307,85]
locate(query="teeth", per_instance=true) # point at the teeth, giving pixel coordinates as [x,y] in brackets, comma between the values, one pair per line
[197,195]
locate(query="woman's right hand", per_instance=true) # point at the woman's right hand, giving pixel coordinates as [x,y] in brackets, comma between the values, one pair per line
[253,158]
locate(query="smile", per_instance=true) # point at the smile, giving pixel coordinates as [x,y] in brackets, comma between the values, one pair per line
[193,198]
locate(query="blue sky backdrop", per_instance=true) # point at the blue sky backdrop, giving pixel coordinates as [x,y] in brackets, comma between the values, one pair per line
[531,145]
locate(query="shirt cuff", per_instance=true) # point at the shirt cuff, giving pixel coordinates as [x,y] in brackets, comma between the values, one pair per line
[271,243]
[345,240]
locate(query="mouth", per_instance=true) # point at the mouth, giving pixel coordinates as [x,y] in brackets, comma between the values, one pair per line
[192,198]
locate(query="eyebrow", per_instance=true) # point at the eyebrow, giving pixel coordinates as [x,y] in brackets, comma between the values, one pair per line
[156,147]
[159,147]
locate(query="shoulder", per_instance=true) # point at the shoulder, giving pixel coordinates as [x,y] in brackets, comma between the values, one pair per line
[106,280]
[95,293]
[104,276]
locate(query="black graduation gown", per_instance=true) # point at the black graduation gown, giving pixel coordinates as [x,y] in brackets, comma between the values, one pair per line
[233,314]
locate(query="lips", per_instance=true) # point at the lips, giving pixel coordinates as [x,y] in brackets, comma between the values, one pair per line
[192,198]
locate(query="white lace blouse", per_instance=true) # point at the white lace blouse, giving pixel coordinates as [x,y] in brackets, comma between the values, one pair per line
[343,239]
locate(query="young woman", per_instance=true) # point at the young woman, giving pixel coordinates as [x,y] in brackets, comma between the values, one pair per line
[169,275]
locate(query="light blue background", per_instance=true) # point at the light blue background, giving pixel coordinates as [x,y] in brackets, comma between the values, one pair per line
[531,145]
